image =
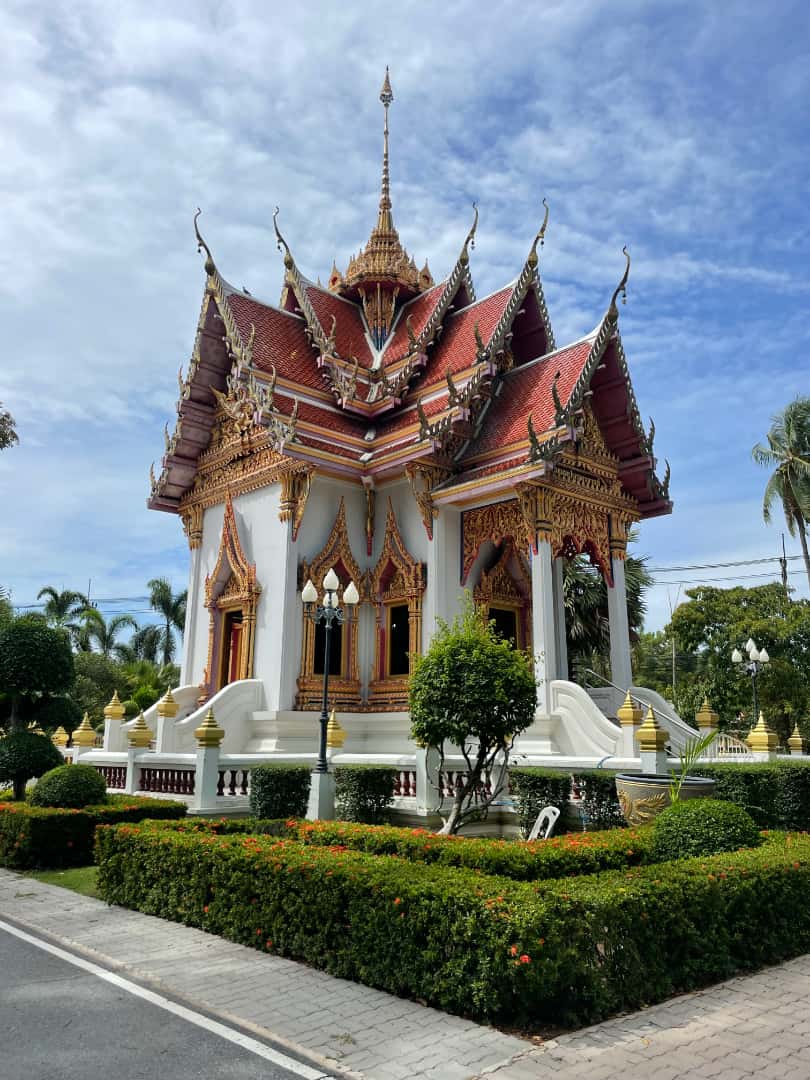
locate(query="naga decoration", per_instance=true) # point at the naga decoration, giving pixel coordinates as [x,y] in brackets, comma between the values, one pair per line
[210,267]
[651,437]
[344,384]
[613,311]
[540,239]
[665,481]
[561,415]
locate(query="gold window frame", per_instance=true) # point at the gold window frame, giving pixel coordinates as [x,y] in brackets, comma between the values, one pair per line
[344,689]
[397,580]
[230,586]
[507,587]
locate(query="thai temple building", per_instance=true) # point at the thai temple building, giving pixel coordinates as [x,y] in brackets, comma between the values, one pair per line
[422,442]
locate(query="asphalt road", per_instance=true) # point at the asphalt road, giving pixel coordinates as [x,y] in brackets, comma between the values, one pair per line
[59,1022]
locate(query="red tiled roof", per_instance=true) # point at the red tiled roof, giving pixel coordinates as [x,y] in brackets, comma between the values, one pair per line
[280,342]
[419,310]
[324,417]
[350,331]
[526,391]
[456,348]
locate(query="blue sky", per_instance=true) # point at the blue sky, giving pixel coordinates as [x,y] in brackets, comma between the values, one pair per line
[677,128]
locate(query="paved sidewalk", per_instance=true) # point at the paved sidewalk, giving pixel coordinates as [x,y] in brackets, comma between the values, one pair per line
[757,1025]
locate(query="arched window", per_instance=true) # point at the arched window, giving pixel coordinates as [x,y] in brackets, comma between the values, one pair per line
[231,596]
[344,681]
[397,584]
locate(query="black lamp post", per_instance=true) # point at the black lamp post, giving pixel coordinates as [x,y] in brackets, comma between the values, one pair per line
[753,665]
[329,613]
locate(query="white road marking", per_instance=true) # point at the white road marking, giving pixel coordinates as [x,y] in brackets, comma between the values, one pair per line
[201,1021]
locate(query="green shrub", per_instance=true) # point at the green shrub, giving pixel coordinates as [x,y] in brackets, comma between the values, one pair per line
[39,836]
[572,854]
[364,792]
[775,793]
[534,789]
[70,786]
[24,755]
[487,947]
[279,791]
[702,827]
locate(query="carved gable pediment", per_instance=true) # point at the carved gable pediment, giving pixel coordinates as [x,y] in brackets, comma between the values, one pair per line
[336,554]
[233,577]
[397,573]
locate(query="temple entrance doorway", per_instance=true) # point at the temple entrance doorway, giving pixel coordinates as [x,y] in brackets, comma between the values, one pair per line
[231,656]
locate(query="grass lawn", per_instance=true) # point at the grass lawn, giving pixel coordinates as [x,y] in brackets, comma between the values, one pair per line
[81,879]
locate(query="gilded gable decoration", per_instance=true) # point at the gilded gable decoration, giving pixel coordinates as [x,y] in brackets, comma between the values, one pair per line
[231,597]
[344,688]
[396,582]
[506,586]
[295,489]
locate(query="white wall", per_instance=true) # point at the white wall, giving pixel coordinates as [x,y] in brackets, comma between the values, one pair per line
[197,622]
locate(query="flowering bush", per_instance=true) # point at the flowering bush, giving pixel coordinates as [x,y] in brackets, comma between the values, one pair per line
[55,837]
[527,953]
[561,856]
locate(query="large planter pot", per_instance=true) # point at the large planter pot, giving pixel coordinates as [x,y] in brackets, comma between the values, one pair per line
[642,796]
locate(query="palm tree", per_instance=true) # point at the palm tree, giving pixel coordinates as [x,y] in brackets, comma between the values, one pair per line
[104,634]
[586,608]
[61,609]
[788,450]
[173,611]
[143,645]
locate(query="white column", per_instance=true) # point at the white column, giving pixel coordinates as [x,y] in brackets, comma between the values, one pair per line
[544,635]
[621,671]
[443,591]
[193,604]
[559,619]
[428,797]
[206,778]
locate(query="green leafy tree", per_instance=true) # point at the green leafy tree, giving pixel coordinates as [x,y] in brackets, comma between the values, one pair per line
[24,755]
[63,609]
[8,431]
[788,453]
[35,660]
[713,622]
[172,609]
[97,678]
[6,610]
[474,691]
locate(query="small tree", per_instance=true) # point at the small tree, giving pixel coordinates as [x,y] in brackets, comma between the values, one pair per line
[474,691]
[35,659]
[24,755]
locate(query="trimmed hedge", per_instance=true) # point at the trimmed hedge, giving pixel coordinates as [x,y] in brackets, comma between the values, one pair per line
[70,786]
[39,836]
[570,951]
[775,793]
[702,827]
[534,789]
[279,790]
[561,856]
[364,792]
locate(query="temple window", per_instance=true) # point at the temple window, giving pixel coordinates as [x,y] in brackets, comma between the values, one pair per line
[344,676]
[506,622]
[503,590]
[231,596]
[398,640]
[397,584]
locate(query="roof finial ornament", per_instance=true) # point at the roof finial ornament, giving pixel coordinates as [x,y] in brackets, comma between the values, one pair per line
[210,268]
[385,221]
[281,243]
[469,240]
[540,238]
[613,311]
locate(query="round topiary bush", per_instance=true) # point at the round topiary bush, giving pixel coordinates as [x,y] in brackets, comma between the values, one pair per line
[24,755]
[702,827]
[71,786]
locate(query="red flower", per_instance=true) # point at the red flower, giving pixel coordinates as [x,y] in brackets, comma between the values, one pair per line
[397,900]
[513,950]
[525,959]
[205,909]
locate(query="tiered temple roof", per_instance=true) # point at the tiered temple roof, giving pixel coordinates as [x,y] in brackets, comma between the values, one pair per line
[385,371]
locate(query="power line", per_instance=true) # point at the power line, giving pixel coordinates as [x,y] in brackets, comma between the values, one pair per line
[720,565]
[734,577]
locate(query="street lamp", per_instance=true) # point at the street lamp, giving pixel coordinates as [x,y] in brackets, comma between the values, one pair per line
[753,664]
[329,613]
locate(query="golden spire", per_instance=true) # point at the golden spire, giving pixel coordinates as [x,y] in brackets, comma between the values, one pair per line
[383,259]
[385,222]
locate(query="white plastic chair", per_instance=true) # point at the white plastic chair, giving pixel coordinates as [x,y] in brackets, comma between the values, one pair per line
[546,820]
